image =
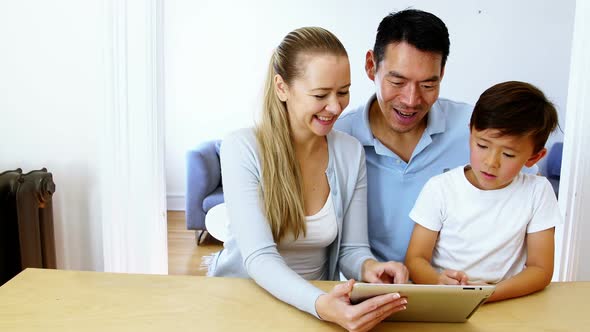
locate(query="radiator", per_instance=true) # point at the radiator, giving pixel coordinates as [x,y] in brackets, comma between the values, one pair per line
[26,222]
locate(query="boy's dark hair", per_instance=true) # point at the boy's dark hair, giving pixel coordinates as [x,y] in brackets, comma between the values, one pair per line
[515,109]
[420,29]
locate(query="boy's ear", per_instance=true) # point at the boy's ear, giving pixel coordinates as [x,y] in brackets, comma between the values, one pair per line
[536,157]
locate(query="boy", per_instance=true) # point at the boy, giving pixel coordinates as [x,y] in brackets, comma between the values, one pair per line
[486,222]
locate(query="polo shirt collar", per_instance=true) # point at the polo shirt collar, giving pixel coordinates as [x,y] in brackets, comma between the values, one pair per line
[363,132]
[436,119]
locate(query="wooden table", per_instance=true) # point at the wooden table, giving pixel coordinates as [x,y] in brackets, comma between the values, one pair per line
[52,300]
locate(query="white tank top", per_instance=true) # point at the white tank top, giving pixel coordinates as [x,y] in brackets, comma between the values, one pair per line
[308,256]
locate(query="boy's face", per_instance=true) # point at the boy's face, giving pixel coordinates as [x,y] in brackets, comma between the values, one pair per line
[496,160]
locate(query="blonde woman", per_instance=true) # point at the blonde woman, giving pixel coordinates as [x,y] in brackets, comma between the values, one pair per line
[296,191]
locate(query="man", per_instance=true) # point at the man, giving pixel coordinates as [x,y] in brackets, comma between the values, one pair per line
[409,134]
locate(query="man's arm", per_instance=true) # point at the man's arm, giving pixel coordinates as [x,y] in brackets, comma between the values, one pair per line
[384,272]
[538,271]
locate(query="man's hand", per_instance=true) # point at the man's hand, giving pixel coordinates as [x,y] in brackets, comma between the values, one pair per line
[452,277]
[384,272]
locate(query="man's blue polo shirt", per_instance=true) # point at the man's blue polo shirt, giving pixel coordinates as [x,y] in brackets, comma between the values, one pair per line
[394,185]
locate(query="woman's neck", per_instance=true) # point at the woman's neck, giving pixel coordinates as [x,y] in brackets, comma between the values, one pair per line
[308,145]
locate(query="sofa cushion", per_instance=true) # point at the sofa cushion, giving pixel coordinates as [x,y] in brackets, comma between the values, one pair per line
[215,198]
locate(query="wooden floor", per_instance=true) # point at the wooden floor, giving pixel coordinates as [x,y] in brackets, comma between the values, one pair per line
[184,256]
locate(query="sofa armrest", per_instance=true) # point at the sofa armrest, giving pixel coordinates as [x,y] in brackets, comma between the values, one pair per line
[554,161]
[203,175]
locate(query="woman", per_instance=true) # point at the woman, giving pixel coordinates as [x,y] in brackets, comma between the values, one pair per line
[296,190]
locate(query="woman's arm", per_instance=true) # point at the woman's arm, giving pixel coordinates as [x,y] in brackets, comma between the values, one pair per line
[241,178]
[248,225]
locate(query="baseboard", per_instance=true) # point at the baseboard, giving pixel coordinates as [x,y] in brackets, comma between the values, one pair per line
[175,202]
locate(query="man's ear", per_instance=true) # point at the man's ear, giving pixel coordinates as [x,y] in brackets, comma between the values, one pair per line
[370,65]
[536,157]
[281,88]
[442,73]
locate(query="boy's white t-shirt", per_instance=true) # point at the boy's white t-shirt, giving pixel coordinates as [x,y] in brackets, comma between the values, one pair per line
[482,232]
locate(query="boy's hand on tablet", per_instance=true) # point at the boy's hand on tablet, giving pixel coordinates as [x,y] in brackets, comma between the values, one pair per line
[384,272]
[477,283]
[452,277]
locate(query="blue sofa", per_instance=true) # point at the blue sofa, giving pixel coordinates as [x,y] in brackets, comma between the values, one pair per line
[554,165]
[203,184]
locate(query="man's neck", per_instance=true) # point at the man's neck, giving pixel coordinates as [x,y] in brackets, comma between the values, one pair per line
[401,143]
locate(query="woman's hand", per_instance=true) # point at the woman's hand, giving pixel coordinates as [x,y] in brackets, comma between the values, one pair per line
[384,272]
[335,307]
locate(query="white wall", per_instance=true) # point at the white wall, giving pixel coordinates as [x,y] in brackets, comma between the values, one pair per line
[52,88]
[55,80]
[81,88]
[216,55]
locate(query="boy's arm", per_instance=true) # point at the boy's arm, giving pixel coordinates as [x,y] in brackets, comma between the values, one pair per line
[538,271]
[419,256]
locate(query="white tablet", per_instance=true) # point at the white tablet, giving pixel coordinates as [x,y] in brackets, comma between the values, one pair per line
[429,303]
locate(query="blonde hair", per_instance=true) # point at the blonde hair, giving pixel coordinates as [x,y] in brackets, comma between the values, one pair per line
[281,187]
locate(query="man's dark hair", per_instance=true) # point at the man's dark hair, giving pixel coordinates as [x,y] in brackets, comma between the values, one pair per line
[516,109]
[420,29]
